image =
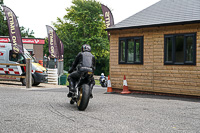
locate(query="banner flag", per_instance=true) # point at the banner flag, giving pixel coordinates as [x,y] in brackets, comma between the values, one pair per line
[61,48]
[109,21]
[53,49]
[14,31]
[56,48]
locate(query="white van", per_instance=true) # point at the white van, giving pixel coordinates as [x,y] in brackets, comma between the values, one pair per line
[39,74]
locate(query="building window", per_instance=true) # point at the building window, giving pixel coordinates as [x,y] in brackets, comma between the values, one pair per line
[122,51]
[131,50]
[180,49]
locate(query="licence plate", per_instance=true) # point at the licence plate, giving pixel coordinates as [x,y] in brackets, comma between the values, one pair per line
[89,72]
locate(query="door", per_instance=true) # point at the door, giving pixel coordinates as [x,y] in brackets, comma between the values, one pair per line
[3,68]
[14,59]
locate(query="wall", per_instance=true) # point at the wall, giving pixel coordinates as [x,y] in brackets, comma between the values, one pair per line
[38,51]
[28,46]
[153,75]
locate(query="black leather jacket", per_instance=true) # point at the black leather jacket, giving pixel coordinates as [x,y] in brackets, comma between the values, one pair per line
[83,59]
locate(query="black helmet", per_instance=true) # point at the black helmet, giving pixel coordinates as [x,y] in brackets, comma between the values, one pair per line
[86,48]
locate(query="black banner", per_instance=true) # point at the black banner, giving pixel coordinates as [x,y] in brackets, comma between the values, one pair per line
[109,21]
[61,49]
[14,31]
[56,48]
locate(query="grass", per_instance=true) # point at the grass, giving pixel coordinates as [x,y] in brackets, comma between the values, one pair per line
[97,82]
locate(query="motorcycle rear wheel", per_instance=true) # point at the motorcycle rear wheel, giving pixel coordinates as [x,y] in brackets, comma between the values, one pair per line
[84,96]
[103,85]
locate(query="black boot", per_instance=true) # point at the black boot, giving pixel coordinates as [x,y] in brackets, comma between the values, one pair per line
[69,94]
[71,89]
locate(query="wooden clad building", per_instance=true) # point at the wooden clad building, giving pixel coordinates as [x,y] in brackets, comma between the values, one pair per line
[158,49]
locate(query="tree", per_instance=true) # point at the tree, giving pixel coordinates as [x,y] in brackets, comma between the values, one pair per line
[4,29]
[1,2]
[84,24]
[26,33]
[46,47]
[3,26]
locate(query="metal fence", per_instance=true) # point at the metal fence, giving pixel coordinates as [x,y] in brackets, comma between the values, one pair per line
[54,64]
[28,75]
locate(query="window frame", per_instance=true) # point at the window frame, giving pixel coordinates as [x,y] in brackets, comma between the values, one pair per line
[173,36]
[125,39]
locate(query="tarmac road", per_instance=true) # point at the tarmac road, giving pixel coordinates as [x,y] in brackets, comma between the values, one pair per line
[42,110]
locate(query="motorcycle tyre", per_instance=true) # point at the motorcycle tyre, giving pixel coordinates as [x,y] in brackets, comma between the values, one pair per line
[84,96]
[103,85]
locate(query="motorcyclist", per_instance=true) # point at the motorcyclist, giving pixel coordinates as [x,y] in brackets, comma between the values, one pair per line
[102,76]
[102,80]
[83,59]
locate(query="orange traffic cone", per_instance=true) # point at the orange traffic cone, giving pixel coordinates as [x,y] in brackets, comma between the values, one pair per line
[125,87]
[109,88]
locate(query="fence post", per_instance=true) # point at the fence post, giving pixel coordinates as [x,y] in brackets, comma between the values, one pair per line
[28,73]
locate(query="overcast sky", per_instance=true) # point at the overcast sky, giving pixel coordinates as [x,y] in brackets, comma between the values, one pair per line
[35,14]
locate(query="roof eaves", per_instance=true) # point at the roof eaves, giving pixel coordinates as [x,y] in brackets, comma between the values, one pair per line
[153,25]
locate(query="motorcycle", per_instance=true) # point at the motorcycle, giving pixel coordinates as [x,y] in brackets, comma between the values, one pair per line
[82,86]
[103,82]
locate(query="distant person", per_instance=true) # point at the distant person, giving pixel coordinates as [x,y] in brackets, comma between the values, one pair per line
[45,60]
[61,58]
[102,75]
[14,58]
[34,57]
[55,61]
[17,58]
[21,59]
[48,61]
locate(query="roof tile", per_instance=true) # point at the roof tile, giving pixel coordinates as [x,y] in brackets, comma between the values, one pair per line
[163,12]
